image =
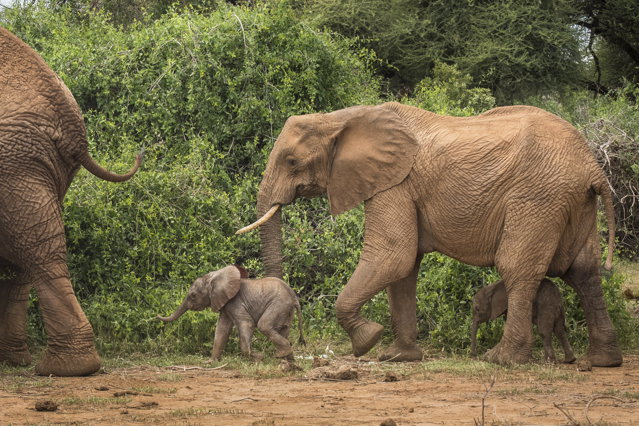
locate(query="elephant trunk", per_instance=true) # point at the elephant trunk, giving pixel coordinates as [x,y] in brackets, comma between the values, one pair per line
[473,338]
[177,314]
[270,236]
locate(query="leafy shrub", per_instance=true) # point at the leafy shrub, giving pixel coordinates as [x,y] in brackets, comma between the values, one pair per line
[205,96]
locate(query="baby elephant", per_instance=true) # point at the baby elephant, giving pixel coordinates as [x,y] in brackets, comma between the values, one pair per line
[491,302]
[267,303]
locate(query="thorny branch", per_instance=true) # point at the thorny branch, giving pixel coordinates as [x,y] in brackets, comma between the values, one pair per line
[483,402]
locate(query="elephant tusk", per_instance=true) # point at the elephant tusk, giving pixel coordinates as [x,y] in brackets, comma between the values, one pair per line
[260,221]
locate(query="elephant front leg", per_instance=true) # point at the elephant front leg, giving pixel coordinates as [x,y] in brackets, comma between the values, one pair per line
[388,256]
[402,296]
[222,332]
[14,298]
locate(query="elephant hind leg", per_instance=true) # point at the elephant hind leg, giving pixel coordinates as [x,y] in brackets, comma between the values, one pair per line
[583,276]
[14,298]
[560,332]
[32,229]
[545,327]
[271,324]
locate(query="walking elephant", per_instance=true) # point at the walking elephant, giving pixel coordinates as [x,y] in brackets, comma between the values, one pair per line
[515,187]
[42,145]
[267,303]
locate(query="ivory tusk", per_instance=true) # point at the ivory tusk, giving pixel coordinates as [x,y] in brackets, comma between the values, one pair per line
[260,221]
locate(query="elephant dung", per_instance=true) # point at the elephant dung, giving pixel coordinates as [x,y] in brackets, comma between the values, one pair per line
[46,405]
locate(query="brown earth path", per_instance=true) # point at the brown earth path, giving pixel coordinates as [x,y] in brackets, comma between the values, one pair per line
[435,391]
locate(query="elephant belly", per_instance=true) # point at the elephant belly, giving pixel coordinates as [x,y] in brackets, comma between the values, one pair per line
[471,242]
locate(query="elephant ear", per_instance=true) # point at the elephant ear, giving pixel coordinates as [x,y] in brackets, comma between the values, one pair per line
[498,301]
[224,286]
[373,151]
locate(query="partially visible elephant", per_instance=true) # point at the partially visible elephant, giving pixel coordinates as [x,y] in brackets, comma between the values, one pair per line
[491,302]
[515,187]
[43,143]
[267,303]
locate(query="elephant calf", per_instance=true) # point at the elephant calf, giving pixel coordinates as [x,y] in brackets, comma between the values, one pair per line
[266,303]
[491,302]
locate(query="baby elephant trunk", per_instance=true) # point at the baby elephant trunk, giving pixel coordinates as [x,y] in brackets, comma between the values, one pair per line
[175,315]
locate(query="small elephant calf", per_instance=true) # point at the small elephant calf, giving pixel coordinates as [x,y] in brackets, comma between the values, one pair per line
[491,302]
[266,303]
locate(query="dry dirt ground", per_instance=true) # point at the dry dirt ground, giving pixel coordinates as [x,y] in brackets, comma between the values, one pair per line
[346,391]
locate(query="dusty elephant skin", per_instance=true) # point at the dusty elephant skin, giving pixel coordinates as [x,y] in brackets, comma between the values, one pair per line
[267,303]
[491,302]
[515,187]
[42,145]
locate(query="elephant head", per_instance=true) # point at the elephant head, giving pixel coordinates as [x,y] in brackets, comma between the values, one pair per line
[349,155]
[214,289]
[489,303]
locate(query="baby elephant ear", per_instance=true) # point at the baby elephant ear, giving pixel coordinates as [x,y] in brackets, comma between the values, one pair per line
[498,301]
[224,286]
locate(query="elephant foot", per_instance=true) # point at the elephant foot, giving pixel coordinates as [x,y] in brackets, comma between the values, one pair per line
[402,352]
[609,357]
[503,355]
[284,353]
[19,357]
[569,358]
[364,337]
[69,363]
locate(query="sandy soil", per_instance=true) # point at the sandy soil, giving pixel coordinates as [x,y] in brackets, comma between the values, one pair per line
[346,391]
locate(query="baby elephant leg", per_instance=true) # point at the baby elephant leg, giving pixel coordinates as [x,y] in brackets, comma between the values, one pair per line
[545,328]
[245,329]
[560,332]
[275,326]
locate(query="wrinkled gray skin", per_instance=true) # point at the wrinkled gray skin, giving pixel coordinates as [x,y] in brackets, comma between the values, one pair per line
[266,303]
[491,302]
[43,143]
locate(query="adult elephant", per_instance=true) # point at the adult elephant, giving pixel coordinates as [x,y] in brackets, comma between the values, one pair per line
[42,145]
[515,187]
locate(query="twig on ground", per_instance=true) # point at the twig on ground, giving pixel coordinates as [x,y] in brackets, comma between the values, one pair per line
[572,420]
[600,397]
[483,402]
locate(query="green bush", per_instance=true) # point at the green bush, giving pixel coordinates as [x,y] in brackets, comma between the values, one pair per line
[205,96]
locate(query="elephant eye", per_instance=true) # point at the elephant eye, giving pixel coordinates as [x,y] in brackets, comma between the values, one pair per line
[292,162]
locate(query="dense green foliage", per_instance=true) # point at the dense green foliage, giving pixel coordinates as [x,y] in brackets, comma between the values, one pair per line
[205,95]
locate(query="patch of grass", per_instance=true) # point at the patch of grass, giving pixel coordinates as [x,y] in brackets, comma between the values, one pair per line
[171,377]
[188,412]
[154,390]
[96,401]
[622,394]
[15,382]
[537,390]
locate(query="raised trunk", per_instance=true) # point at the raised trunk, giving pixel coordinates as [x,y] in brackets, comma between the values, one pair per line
[271,236]
[177,314]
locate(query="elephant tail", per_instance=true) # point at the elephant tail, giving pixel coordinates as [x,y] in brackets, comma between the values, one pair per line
[92,166]
[301,340]
[603,189]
